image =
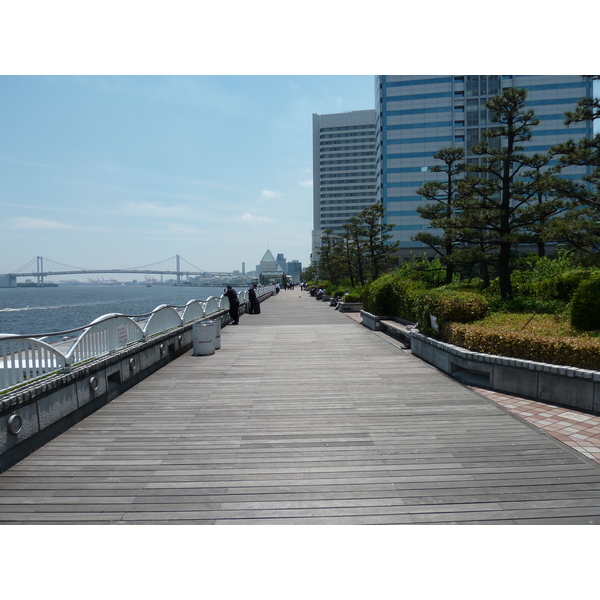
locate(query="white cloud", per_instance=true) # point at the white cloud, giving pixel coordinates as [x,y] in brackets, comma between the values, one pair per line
[307,183]
[143,208]
[256,219]
[31,223]
[268,194]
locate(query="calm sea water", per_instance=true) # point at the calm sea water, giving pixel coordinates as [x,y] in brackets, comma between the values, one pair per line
[29,311]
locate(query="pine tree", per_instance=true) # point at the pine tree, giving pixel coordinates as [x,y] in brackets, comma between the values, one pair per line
[380,253]
[500,198]
[326,262]
[355,245]
[441,213]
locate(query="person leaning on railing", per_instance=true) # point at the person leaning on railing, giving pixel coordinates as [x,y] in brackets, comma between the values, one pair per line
[234,304]
[254,308]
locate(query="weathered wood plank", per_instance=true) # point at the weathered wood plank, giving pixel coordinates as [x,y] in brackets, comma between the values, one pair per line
[302,417]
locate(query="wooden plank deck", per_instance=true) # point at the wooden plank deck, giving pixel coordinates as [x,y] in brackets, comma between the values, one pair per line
[302,417]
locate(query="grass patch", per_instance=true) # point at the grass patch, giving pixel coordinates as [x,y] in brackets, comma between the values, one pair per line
[538,324]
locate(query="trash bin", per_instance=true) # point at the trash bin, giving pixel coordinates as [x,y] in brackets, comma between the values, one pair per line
[203,339]
[217,325]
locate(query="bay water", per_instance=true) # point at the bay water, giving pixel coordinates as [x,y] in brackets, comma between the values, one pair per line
[33,310]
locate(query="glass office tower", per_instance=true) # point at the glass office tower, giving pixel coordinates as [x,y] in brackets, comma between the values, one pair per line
[418,115]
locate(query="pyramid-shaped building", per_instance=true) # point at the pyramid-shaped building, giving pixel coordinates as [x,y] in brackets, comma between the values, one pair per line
[270,271]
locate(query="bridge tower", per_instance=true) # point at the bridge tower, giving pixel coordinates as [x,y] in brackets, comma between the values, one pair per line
[40,271]
[178,269]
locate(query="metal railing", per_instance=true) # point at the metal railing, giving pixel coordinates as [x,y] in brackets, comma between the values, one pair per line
[24,359]
[103,335]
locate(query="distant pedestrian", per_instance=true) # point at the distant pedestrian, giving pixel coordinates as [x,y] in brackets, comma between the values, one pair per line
[254,303]
[234,304]
[277,288]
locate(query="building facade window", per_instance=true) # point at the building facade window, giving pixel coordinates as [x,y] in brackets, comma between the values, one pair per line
[401,99]
[345,156]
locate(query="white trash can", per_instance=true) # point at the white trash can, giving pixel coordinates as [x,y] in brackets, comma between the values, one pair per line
[203,339]
[217,324]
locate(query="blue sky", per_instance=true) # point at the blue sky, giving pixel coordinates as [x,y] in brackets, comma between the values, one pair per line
[124,171]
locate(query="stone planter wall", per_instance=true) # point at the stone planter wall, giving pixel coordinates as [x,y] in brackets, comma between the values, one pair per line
[350,306]
[554,384]
[371,321]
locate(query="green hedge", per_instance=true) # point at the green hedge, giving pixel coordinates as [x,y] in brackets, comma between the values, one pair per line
[583,353]
[394,296]
[457,310]
[559,287]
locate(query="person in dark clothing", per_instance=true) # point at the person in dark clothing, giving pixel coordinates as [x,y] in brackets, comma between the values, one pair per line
[254,303]
[234,304]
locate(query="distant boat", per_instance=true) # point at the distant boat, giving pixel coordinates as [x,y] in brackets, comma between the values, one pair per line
[148,285]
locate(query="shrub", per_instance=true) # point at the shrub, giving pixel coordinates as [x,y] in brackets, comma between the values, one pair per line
[379,297]
[429,271]
[530,268]
[559,287]
[585,305]
[450,305]
[352,298]
[357,290]
[525,304]
[393,295]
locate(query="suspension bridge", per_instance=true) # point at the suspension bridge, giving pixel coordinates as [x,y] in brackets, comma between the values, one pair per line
[41,267]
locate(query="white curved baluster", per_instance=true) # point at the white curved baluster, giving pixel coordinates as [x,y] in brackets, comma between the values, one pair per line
[163,318]
[104,334]
[213,305]
[193,310]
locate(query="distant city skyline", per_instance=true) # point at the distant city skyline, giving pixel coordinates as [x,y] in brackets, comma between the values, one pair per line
[177,269]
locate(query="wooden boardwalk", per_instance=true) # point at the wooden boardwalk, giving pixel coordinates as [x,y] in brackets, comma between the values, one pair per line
[303,416]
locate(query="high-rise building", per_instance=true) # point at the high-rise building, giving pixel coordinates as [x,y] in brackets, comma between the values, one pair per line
[281,262]
[294,270]
[419,115]
[344,159]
